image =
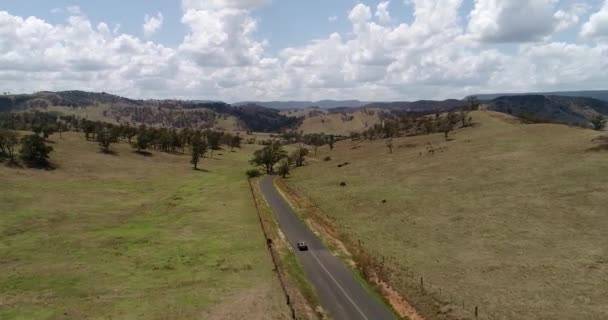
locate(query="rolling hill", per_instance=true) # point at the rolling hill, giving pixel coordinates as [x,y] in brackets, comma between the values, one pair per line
[506,216]
[162,113]
[595,94]
[558,109]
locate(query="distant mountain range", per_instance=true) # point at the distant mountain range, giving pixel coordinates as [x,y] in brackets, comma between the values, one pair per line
[545,108]
[595,94]
[576,107]
[324,104]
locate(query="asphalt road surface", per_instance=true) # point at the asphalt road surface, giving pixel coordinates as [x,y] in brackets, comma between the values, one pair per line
[341,295]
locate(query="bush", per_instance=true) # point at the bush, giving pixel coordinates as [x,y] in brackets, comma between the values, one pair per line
[252,173]
[328,158]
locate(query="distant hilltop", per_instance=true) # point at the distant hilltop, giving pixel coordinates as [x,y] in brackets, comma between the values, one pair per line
[335,116]
[595,94]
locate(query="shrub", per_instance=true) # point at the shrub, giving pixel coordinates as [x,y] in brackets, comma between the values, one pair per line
[252,173]
[328,158]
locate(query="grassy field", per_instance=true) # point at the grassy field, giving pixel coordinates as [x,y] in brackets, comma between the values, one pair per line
[127,236]
[507,216]
[322,121]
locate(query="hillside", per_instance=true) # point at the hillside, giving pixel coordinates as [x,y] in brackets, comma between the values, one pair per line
[161,113]
[594,94]
[128,236]
[419,107]
[506,216]
[343,123]
[568,110]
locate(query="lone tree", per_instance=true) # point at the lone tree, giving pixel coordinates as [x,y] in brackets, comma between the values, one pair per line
[268,156]
[447,126]
[34,152]
[284,168]
[198,148]
[330,140]
[473,103]
[389,145]
[598,122]
[8,142]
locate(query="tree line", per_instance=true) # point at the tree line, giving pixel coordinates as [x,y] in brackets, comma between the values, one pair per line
[408,124]
[141,138]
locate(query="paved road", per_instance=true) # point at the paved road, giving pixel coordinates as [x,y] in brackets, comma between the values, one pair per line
[338,289]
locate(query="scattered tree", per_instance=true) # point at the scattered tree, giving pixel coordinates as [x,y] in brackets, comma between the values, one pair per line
[598,122]
[8,142]
[48,130]
[389,145]
[268,156]
[105,137]
[235,142]
[143,140]
[213,138]
[34,152]
[253,173]
[473,103]
[198,149]
[299,155]
[284,168]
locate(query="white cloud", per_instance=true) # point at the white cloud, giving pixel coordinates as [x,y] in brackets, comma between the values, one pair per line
[74,10]
[221,33]
[435,56]
[332,19]
[152,24]
[382,12]
[597,26]
[571,16]
[511,20]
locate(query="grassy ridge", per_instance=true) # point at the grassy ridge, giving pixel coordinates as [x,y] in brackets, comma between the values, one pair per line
[132,237]
[509,217]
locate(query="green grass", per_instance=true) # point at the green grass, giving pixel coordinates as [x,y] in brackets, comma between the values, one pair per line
[508,217]
[132,237]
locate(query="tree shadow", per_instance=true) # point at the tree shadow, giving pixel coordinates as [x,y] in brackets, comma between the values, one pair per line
[602,144]
[109,152]
[11,164]
[201,170]
[46,167]
[144,153]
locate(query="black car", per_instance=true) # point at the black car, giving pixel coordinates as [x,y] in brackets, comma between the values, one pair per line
[302,246]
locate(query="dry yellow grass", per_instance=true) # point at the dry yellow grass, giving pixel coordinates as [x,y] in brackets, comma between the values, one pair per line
[508,217]
[322,121]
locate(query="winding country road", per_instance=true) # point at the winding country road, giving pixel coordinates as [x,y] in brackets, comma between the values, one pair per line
[341,295]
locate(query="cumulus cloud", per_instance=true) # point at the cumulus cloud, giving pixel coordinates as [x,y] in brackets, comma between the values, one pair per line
[221,33]
[567,18]
[511,20]
[597,26]
[332,19]
[437,55]
[152,24]
[382,12]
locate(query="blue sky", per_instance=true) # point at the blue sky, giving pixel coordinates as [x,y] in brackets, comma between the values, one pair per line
[284,49]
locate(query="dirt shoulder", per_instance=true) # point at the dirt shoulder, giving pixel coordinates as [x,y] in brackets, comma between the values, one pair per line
[299,293]
[348,250]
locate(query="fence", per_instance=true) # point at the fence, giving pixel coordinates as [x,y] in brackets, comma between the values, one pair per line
[275,260]
[387,269]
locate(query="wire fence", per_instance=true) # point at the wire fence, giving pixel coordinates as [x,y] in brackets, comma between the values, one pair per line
[275,260]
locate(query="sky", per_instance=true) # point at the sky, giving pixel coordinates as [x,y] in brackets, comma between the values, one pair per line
[236,50]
